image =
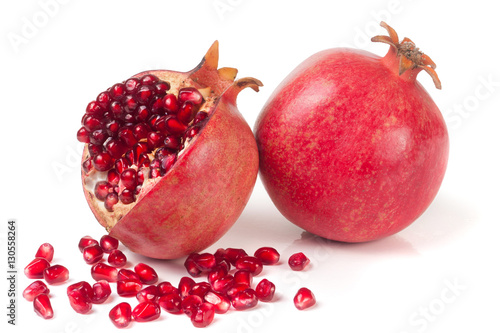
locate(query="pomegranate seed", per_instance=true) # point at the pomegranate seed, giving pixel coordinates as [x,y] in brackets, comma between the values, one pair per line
[87,165]
[221,302]
[128,288]
[167,162]
[217,272]
[298,261]
[172,142]
[112,128]
[101,271]
[304,299]
[185,285]
[102,189]
[192,131]
[170,103]
[117,91]
[146,273]
[146,311]
[110,201]
[186,113]
[166,288]
[200,289]
[80,298]
[251,264]
[103,161]
[101,290]
[45,251]
[129,178]
[200,116]
[243,277]
[171,303]
[203,315]
[98,137]
[190,303]
[55,274]
[103,99]
[141,131]
[94,109]
[122,164]
[235,289]
[148,294]
[127,137]
[42,306]
[34,270]
[127,196]
[231,254]
[84,287]
[162,87]
[108,243]
[191,266]
[91,123]
[174,126]
[190,94]
[83,135]
[149,79]
[268,255]
[121,315]
[116,109]
[117,259]
[132,84]
[205,261]
[144,94]
[244,299]
[265,290]
[154,140]
[34,289]
[113,177]
[127,274]
[86,241]
[92,254]
[115,148]
[223,284]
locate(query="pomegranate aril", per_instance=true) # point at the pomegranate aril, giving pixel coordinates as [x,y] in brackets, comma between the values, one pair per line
[265,290]
[79,299]
[144,94]
[162,87]
[216,273]
[146,273]
[167,288]
[127,274]
[121,315]
[243,277]
[128,288]
[111,200]
[148,294]
[172,142]
[91,123]
[102,189]
[221,302]
[200,116]
[127,137]
[171,303]
[298,261]
[95,109]
[117,259]
[83,287]
[244,299]
[45,251]
[251,264]
[154,140]
[141,114]
[102,290]
[154,173]
[231,254]
[174,126]
[34,289]
[203,315]
[146,311]
[87,165]
[42,306]
[170,103]
[86,241]
[55,274]
[223,284]
[92,254]
[191,266]
[185,285]
[191,132]
[83,135]
[149,79]
[129,178]
[122,164]
[103,161]
[190,303]
[267,255]
[98,137]
[200,289]
[35,269]
[117,91]
[304,299]
[127,196]
[205,261]
[234,289]
[131,85]
[108,243]
[94,149]
[186,113]
[190,94]
[101,271]
[116,109]
[115,148]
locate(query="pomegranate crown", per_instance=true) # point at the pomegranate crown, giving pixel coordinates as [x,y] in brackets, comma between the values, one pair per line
[410,57]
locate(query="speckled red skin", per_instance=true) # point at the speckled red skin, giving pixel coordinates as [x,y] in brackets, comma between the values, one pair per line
[348,149]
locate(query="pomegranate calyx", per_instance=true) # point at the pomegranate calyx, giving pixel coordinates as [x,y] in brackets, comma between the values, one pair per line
[410,56]
[232,92]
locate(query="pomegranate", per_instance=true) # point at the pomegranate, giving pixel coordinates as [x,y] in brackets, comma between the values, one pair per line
[304,299]
[169,162]
[352,148]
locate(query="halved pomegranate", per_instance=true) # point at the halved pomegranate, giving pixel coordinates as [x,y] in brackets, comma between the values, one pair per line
[169,162]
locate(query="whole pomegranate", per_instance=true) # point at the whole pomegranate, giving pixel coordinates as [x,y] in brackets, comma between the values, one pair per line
[352,148]
[169,162]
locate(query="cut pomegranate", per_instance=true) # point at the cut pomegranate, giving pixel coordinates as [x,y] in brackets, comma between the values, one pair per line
[117,259]
[121,315]
[102,291]
[265,290]
[101,271]
[268,255]
[146,311]
[34,289]
[35,269]
[221,302]
[86,241]
[92,254]
[148,294]
[45,251]
[203,315]
[108,243]
[128,288]
[42,306]
[55,274]
[80,297]
[190,303]
[304,299]
[298,261]
[171,303]
[244,299]
[251,264]
[146,273]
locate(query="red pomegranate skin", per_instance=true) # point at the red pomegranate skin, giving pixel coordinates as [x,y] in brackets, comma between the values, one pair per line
[349,149]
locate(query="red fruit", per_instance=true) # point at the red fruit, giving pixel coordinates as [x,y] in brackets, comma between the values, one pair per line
[80,297]
[138,214]
[203,315]
[171,303]
[200,289]
[298,261]
[205,261]
[146,311]
[34,270]
[148,294]
[166,288]
[265,290]
[45,251]
[231,254]
[101,290]
[191,266]
[127,274]
[86,241]
[244,299]
[82,286]
[185,285]
[121,315]
[190,303]
[108,243]
[223,284]
[101,271]
[304,299]
[42,306]
[146,273]
[92,254]
[268,255]
[34,289]
[251,264]
[379,142]
[117,259]
[221,302]
[55,274]
[243,277]
[128,288]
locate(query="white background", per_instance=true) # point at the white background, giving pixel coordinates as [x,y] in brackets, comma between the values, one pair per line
[438,275]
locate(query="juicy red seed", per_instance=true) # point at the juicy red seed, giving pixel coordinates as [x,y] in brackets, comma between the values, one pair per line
[115,148]
[140,173]
[167,288]
[87,165]
[102,189]
[171,303]
[146,311]
[108,243]
[167,162]
[235,289]
[162,87]
[110,201]
[127,136]
[34,289]
[231,254]
[121,315]
[144,94]
[55,274]
[129,178]
[141,131]
[139,149]
[149,79]
[131,85]
[101,271]
[98,137]
[174,126]
[172,142]
[94,109]
[190,94]
[42,306]
[128,288]
[122,164]
[203,315]
[92,254]
[245,299]
[159,154]
[154,140]
[192,131]
[154,173]
[190,303]
[146,273]
[84,287]
[191,266]
[86,241]
[170,103]
[127,196]
[304,299]
[117,91]
[143,161]
[186,113]
[34,270]
[94,149]
[265,290]
[267,255]
[80,298]
[102,290]
[142,113]
[117,258]
[112,127]
[243,277]
[127,274]
[113,177]
[185,285]
[251,264]
[148,294]
[298,261]
[202,115]
[103,99]
[205,261]
[221,302]
[91,123]
[83,135]
[223,284]
[216,273]
[45,251]
[103,161]
[200,289]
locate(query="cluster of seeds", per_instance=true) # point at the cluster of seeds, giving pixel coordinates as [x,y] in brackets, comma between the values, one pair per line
[229,283]
[135,130]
